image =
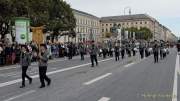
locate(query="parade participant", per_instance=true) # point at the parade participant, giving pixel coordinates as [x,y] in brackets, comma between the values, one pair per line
[122,51]
[116,51]
[43,62]
[156,52]
[134,48]
[141,50]
[25,62]
[93,54]
[82,51]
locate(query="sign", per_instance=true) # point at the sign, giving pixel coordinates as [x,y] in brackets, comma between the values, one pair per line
[37,35]
[22,30]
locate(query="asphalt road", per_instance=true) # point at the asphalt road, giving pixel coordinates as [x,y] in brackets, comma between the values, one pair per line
[131,79]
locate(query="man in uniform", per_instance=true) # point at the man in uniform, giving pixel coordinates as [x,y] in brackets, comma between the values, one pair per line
[156,52]
[116,51]
[122,51]
[82,51]
[93,54]
[43,62]
[141,50]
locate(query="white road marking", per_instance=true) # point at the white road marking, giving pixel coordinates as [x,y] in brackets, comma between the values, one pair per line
[174,97]
[49,73]
[21,95]
[130,64]
[104,99]
[34,64]
[97,79]
[11,67]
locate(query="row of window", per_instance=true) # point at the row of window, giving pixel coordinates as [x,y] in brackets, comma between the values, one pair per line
[128,23]
[108,29]
[86,30]
[87,22]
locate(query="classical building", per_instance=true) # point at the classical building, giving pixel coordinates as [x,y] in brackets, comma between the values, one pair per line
[87,28]
[137,21]
[90,27]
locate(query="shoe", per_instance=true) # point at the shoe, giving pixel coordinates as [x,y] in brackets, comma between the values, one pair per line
[49,83]
[42,86]
[22,86]
[30,81]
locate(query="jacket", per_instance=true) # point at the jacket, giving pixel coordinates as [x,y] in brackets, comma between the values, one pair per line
[25,59]
[43,61]
[93,50]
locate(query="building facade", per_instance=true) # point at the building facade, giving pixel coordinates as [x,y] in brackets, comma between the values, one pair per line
[87,27]
[137,21]
[90,27]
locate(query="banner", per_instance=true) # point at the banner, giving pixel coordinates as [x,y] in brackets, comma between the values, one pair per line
[22,30]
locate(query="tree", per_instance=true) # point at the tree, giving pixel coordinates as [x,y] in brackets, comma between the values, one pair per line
[142,33]
[5,16]
[55,15]
[61,18]
[36,10]
[146,33]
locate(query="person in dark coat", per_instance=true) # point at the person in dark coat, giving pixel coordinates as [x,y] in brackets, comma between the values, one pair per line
[116,51]
[133,48]
[141,50]
[93,54]
[43,62]
[82,51]
[122,51]
[156,53]
[25,62]
[70,49]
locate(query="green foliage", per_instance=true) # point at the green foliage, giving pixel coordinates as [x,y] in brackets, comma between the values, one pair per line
[142,33]
[56,15]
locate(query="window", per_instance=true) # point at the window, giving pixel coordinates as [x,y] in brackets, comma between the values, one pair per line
[122,23]
[106,30]
[102,24]
[106,24]
[145,22]
[136,22]
[127,23]
[140,22]
[102,30]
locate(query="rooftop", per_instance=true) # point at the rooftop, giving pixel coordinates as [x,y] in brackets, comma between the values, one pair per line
[85,14]
[126,17]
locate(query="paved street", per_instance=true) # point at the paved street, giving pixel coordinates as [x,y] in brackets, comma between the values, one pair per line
[131,79]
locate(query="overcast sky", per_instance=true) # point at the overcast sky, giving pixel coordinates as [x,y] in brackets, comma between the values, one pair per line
[167,12]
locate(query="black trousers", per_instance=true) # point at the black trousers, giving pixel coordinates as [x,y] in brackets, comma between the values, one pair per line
[93,58]
[156,57]
[24,75]
[122,54]
[116,56]
[42,75]
[142,54]
[134,52]
[161,54]
[82,56]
